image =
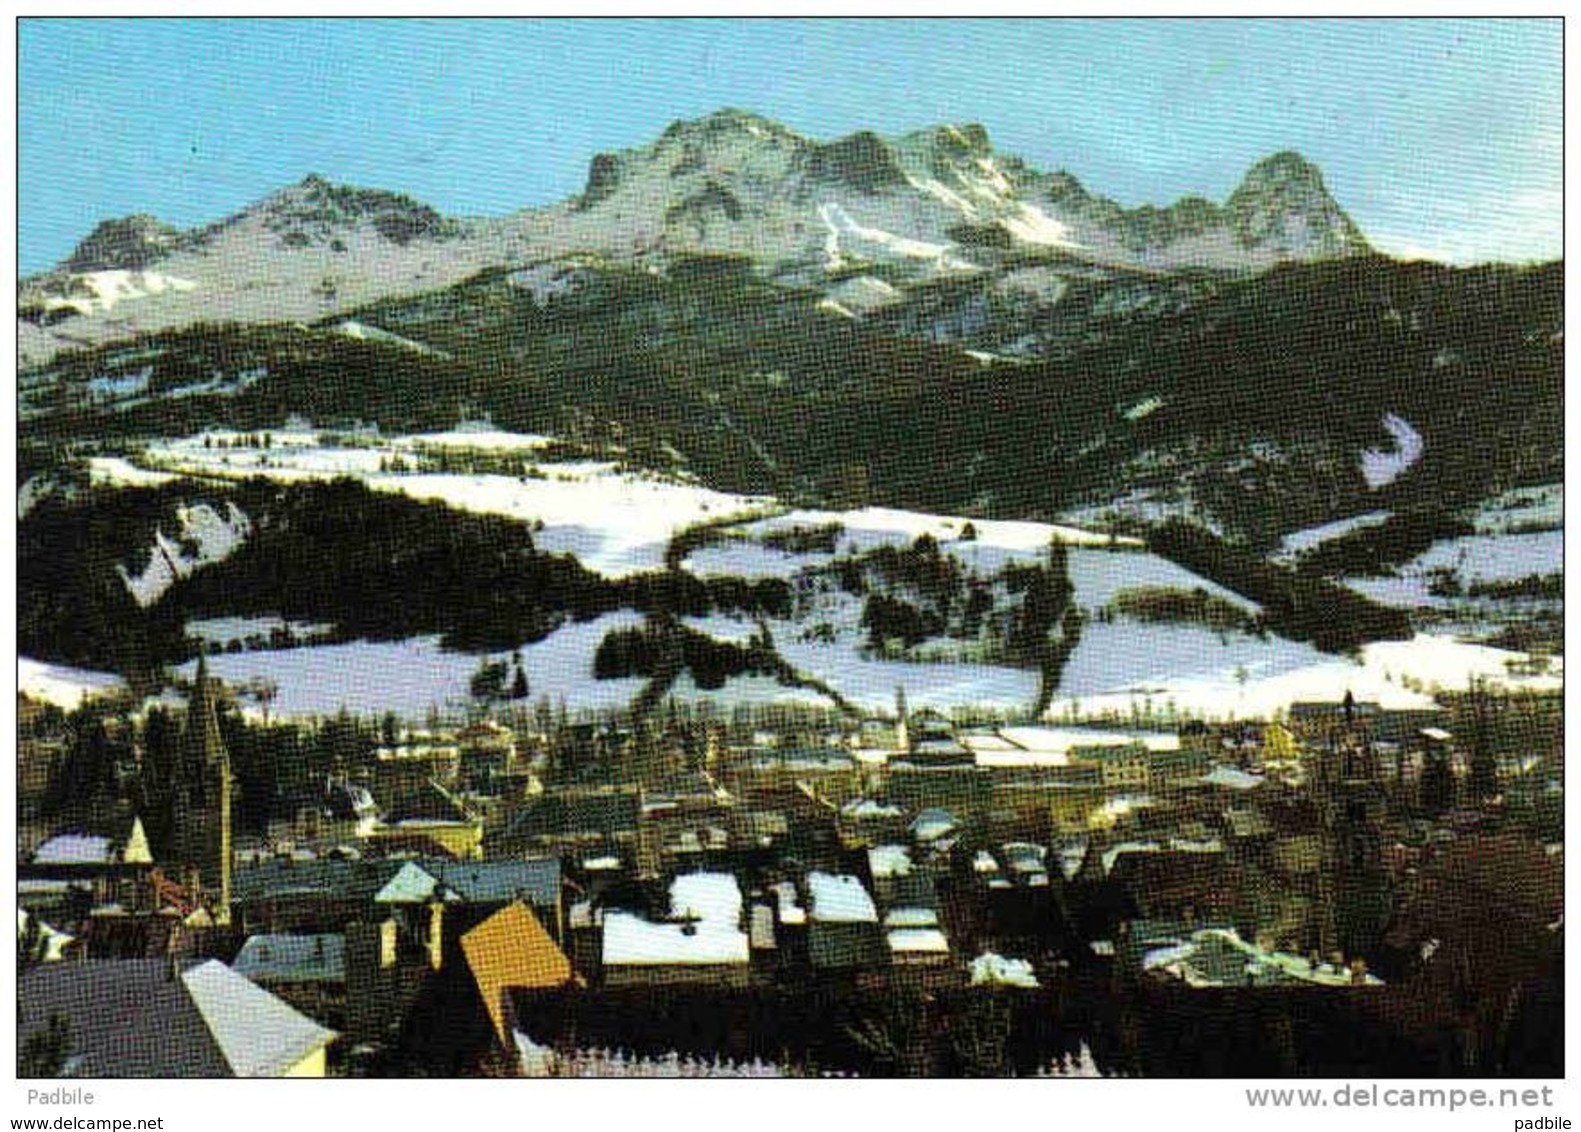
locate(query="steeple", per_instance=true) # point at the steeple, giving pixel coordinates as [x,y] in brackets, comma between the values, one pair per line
[202,793]
[1354,897]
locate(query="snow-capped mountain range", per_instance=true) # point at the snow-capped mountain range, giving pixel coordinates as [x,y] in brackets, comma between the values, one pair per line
[882,212]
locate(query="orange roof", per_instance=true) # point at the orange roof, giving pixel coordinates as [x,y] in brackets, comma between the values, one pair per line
[511,949]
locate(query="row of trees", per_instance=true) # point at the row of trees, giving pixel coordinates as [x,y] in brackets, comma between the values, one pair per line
[1296,605]
[663,648]
[1376,551]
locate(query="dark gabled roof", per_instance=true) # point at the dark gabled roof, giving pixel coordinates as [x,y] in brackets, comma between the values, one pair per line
[916,889]
[128,1018]
[847,945]
[274,958]
[500,882]
[580,812]
[328,880]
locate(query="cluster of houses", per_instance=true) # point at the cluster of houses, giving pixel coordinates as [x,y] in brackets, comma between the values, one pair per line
[459,907]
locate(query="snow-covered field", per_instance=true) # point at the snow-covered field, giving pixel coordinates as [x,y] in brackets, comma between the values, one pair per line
[1099,575]
[411,676]
[61,685]
[482,438]
[222,631]
[1401,592]
[871,684]
[616,524]
[620,522]
[114,471]
[1524,507]
[1398,674]
[1472,559]
[873,526]
[827,641]
[1493,558]
[752,560]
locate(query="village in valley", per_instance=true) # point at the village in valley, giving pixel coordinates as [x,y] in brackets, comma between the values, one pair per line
[782,891]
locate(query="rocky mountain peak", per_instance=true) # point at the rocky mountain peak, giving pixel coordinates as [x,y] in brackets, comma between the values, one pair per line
[1285,168]
[316,210]
[1283,203]
[129,243]
[862,161]
[726,122]
[966,140]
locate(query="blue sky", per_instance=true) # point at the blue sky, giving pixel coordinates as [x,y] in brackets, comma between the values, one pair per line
[1440,137]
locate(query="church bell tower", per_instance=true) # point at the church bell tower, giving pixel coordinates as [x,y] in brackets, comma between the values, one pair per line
[202,796]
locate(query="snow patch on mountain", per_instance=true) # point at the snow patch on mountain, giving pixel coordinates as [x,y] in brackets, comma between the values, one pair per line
[117,471]
[206,536]
[362,332]
[863,295]
[938,191]
[846,236]
[1034,226]
[92,292]
[1380,466]
[1299,542]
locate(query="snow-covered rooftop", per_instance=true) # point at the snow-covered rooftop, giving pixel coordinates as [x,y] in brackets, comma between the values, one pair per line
[260,1035]
[913,940]
[708,928]
[412,884]
[1232,778]
[839,900]
[889,860]
[911,918]
[1061,740]
[867,808]
[990,969]
[285,958]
